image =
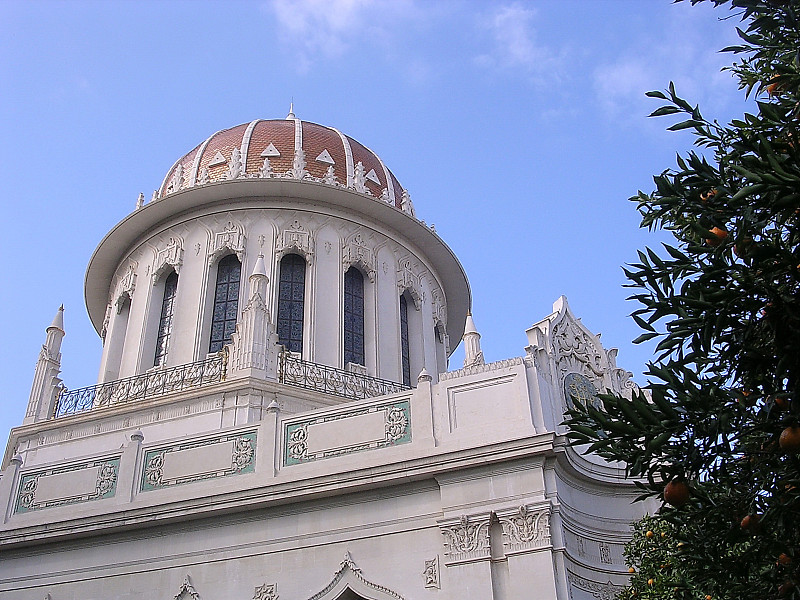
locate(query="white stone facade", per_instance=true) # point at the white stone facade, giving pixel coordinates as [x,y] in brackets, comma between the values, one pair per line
[254,473]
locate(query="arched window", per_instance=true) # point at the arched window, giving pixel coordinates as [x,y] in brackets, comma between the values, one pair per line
[291,302]
[404,350]
[226,302]
[353,317]
[165,322]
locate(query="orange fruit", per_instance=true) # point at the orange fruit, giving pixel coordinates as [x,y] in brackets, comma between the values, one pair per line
[790,439]
[751,523]
[784,559]
[676,493]
[649,534]
[717,235]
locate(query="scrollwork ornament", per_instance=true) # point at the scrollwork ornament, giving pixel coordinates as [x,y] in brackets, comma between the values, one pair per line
[106,478]
[155,469]
[243,453]
[298,443]
[268,591]
[396,423]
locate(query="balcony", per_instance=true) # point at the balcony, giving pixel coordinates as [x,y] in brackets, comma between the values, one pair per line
[156,382]
[329,380]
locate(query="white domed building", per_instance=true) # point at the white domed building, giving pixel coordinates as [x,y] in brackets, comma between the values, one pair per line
[274,416]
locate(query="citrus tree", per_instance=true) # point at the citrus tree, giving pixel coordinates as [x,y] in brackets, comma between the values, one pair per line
[716,432]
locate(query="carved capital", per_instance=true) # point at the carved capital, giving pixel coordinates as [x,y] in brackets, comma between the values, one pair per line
[466,539]
[525,528]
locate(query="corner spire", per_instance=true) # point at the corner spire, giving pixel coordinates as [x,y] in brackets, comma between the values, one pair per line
[291,114]
[58,320]
[259,268]
[473,355]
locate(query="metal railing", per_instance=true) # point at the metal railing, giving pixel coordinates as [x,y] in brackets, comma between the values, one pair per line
[153,383]
[329,380]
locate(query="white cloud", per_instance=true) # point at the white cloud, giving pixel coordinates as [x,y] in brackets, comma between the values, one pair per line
[514,43]
[325,29]
[684,50]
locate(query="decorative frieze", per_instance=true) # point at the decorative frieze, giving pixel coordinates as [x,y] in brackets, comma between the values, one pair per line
[366,428]
[483,368]
[196,460]
[602,591]
[71,484]
[466,539]
[525,528]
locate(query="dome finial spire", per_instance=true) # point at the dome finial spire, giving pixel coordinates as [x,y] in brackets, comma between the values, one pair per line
[291,110]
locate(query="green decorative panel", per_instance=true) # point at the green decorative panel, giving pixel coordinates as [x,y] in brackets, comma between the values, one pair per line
[197,460]
[368,428]
[71,484]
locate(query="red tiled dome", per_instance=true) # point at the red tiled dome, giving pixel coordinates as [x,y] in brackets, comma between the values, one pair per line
[268,148]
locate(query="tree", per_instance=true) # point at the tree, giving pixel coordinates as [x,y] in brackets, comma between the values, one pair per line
[719,421]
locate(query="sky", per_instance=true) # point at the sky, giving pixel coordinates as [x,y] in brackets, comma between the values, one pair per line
[520,130]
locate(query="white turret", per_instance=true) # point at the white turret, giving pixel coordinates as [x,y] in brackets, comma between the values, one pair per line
[472,344]
[41,403]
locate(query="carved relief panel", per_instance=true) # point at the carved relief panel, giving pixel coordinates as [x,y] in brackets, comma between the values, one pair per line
[170,256]
[298,238]
[358,252]
[230,239]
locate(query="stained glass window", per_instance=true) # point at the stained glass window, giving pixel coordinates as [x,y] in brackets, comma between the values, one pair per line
[353,317]
[226,302]
[404,352]
[165,322]
[291,297]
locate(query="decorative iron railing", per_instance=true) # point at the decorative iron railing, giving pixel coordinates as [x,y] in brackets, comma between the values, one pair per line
[146,385]
[329,380]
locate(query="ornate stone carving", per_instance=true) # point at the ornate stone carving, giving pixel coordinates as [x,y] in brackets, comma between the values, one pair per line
[266,592]
[230,239]
[357,252]
[431,573]
[396,423]
[296,238]
[409,281]
[266,169]
[406,205]
[297,445]
[204,177]
[525,528]
[235,450]
[348,575]
[186,591]
[299,165]
[104,487]
[235,167]
[466,539]
[330,176]
[176,182]
[169,257]
[576,350]
[602,591]
[125,286]
[106,323]
[438,307]
[360,179]
[605,553]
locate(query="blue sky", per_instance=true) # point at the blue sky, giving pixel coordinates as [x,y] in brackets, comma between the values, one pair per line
[519,128]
